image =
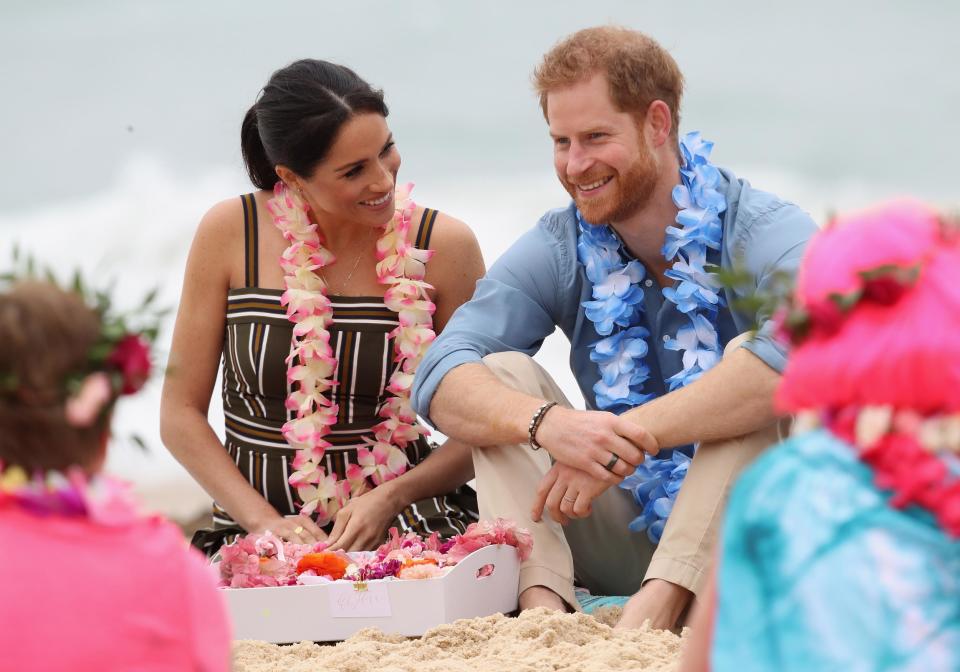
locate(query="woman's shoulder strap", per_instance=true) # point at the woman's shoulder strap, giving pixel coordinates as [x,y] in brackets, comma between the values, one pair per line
[427,221]
[250,240]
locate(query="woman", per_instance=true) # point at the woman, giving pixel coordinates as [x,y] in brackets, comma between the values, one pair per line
[344,316]
[88,582]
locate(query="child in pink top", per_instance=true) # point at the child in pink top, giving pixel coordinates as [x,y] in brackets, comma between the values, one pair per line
[87,583]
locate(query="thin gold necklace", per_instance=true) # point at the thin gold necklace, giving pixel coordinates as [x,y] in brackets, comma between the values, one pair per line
[356,265]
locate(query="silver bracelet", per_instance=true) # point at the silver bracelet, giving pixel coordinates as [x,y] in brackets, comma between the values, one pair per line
[535,423]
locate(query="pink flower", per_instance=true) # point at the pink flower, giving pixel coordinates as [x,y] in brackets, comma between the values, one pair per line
[432,544]
[263,560]
[464,545]
[382,461]
[486,533]
[131,357]
[399,409]
[416,572]
[403,547]
[357,480]
[83,408]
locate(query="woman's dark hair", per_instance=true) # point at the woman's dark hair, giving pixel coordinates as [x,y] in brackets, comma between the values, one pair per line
[298,116]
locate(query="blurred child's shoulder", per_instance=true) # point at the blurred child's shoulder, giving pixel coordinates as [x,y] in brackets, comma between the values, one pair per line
[803,466]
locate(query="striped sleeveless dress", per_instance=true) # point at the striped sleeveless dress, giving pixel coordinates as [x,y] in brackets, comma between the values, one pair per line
[256,343]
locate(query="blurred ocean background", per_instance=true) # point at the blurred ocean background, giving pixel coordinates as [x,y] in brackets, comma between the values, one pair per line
[120,122]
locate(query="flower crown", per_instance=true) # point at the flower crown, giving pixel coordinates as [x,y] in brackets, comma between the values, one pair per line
[796,321]
[118,363]
[884,285]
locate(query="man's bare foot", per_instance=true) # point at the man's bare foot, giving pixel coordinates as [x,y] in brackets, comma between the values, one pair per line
[658,601]
[539,596]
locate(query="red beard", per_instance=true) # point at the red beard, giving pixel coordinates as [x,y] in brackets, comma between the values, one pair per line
[630,191]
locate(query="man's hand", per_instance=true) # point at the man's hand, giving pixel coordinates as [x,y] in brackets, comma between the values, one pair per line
[361,524]
[589,440]
[567,493]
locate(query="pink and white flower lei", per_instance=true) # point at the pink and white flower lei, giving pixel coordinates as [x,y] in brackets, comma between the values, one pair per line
[312,363]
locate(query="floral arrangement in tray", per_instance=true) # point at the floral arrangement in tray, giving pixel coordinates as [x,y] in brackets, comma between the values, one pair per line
[264,560]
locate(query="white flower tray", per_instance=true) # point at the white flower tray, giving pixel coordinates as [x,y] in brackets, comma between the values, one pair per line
[334,611]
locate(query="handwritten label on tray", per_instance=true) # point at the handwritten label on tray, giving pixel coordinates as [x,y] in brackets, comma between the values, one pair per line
[359,600]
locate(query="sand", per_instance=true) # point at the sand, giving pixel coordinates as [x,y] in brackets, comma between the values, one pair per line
[536,640]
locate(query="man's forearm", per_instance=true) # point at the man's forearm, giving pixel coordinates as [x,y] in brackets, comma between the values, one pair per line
[732,399]
[473,406]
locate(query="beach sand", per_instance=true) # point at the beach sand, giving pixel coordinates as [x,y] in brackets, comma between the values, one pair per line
[535,640]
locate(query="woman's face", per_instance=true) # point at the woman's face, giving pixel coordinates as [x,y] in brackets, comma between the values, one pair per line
[355,182]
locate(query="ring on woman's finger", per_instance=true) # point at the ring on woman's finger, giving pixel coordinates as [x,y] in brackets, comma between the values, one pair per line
[572,500]
[298,529]
[613,461]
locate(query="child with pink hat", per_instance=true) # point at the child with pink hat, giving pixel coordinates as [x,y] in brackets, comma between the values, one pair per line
[88,583]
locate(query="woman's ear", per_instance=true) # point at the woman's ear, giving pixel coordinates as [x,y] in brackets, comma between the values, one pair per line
[288,176]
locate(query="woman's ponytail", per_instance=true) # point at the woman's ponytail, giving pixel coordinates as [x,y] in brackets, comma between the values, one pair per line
[259,167]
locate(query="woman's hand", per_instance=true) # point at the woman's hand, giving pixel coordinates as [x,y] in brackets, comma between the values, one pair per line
[298,529]
[362,523]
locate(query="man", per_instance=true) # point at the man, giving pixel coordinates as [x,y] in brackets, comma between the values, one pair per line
[604,270]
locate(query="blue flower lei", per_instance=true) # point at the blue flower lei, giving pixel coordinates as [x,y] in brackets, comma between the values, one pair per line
[617,309]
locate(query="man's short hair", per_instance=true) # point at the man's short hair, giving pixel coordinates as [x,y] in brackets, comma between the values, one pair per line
[638,70]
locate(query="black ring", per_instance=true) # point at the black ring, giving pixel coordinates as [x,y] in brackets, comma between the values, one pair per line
[613,460]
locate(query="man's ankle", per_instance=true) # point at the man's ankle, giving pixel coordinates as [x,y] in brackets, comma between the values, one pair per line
[661,602]
[541,596]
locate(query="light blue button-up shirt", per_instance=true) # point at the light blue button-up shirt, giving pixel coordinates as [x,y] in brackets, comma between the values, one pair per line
[538,284]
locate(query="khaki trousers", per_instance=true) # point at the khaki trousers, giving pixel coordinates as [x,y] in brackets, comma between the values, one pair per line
[599,551]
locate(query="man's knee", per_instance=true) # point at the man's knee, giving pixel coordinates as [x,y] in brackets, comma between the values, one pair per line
[514,369]
[522,373]
[506,361]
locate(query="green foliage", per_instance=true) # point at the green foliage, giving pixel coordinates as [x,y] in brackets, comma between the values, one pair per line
[748,300]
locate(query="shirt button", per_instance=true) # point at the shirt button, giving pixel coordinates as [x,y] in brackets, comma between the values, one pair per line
[666,337]
[648,282]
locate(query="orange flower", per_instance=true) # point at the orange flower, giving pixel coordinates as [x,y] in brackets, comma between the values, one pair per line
[324,564]
[419,561]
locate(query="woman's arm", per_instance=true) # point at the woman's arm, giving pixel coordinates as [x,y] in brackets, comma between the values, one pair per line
[360,524]
[192,371]
[456,266]
[453,271]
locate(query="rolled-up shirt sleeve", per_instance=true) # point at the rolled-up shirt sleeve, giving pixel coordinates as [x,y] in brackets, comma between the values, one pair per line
[771,250]
[514,307]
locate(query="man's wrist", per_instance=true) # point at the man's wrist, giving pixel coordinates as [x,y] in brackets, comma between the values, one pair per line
[535,421]
[643,416]
[518,421]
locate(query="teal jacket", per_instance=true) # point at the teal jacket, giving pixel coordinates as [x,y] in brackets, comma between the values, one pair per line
[818,572]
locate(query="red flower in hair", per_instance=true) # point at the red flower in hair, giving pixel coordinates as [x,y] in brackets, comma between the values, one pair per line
[885,290]
[131,357]
[886,284]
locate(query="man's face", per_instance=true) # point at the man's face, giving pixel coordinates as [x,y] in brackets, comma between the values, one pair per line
[599,153]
